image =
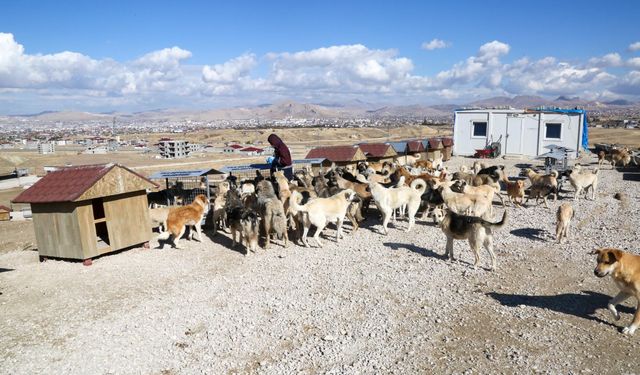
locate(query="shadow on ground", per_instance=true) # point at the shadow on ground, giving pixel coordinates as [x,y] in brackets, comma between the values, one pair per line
[416,249]
[535,234]
[580,305]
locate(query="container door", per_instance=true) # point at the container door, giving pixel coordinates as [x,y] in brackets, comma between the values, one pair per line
[514,135]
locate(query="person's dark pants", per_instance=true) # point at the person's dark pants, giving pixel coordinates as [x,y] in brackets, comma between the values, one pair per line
[288,171]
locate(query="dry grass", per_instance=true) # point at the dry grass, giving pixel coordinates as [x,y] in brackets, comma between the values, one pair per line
[627,137]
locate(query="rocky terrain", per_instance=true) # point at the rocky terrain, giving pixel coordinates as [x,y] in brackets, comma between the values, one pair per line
[368,304]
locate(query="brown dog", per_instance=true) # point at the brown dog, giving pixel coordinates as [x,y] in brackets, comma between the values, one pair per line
[515,191]
[624,268]
[564,215]
[180,217]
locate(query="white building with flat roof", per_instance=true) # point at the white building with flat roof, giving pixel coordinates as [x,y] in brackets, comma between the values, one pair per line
[520,132]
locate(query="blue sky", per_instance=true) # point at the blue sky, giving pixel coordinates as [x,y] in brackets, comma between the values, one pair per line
[137,55]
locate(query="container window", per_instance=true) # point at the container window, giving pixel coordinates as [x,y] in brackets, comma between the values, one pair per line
[553,131]
[479,129]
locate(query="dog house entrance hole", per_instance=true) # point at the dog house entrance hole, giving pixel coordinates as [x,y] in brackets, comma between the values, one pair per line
[100,222]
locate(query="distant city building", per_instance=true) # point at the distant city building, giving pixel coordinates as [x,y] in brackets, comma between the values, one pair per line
[45,148]
[232,148]
[196,147]
[96,150]
[174,149]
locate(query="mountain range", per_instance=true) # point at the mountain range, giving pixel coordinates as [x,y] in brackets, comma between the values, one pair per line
[351,109]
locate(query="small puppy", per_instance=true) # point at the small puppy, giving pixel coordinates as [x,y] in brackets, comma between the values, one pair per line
[474,229]
[564,215]
[515,191]
[624,268]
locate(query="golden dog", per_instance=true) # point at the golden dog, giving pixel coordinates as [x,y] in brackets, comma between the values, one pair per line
[180,217]
[624,268]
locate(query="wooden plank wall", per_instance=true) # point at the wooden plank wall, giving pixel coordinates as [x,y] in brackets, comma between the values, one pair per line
[88,239]
[57,230]
[127,219]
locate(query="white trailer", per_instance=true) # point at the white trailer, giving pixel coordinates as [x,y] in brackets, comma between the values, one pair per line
[520,132]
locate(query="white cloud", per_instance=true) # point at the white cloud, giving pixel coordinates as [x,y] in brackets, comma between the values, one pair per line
[634,46]
[153,72]
[351,67]
[230,71]
[634,63]
[435,44]
[608,60]
[165,77]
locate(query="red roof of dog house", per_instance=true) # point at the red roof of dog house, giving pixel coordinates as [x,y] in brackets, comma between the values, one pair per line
[377,150]
[446,141]
[68,183]
[337,153]
[415,146]
[435,143]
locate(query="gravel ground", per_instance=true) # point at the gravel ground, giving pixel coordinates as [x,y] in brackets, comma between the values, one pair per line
[368,304]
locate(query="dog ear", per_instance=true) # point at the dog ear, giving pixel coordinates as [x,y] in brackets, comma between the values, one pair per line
[614,255]
[595,251]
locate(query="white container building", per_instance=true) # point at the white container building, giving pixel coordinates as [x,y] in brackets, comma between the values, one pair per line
[520,132]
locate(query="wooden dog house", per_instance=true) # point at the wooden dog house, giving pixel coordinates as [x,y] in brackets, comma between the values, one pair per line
[340,155]
[84,211]
[5,213]
[378,151]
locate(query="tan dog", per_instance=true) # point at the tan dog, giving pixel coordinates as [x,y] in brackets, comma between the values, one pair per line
[461,203]
[564,215]
[583,180]
[390,199]
[474,229]
[283,186]
[515,191]
[487,191]
[624,268]
[219,213]
[408,160]
[546,179]
[617,156]
[180,217]
[321,211]
[158,216]
[601,158]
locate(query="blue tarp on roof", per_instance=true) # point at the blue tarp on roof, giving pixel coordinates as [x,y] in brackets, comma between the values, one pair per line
[263,166]
[585,123]
[399,147]
[178,174]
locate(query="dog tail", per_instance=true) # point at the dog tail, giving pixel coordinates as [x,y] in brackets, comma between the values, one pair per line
[293,202]
[554,173]
[497,225]
[419,185]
